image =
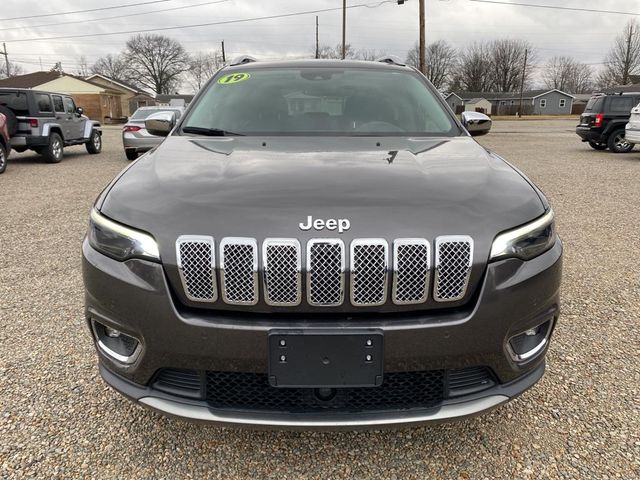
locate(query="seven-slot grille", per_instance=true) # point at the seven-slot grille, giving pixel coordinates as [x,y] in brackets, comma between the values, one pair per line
[282,264]
[239,271]
[412,261]
[196,263]
[369,260]
[325,270]
[454,257]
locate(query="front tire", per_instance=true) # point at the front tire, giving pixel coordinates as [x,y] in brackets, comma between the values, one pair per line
[618,144]
[54,152]
[597,146]
[94,145]
[131,153]
[3,158]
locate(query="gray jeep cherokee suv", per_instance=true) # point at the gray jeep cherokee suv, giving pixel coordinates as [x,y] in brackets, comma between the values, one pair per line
[47,122]
[320,244]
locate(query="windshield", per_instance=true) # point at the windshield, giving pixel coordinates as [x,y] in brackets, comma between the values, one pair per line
[142,114]
[321,101]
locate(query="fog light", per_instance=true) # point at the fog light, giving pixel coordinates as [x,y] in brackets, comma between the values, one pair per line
[112,332]
[527,345]
[115,344]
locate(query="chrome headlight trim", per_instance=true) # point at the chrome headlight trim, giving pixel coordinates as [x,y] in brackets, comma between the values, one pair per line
[501,247]
[145,243]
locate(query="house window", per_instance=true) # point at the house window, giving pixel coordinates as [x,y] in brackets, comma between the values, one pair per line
[543,103]
[563,102]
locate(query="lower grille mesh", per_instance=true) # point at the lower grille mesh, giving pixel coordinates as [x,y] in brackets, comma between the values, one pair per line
[251,391]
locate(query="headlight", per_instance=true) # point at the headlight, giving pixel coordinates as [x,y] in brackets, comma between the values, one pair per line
[120,242]
[526,242]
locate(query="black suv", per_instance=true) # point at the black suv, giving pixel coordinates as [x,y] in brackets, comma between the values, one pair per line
[47,122]
[604,120]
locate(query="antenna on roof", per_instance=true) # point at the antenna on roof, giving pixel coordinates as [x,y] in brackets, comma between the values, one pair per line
[243,60]
[391,60]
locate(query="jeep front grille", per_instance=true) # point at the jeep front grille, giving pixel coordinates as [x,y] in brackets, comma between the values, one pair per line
[454,257]
[196,264]
[412,261]
[239,271]
[325,277]
[369,264]
[325,272]
[282,270]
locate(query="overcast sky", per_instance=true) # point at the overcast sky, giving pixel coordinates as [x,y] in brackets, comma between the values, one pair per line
[388,27]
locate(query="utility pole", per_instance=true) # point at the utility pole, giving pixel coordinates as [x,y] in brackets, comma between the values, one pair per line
[6,58]
[524,72]
[344,29]
[627,60]
[317,46]
[423,68]
[224,59]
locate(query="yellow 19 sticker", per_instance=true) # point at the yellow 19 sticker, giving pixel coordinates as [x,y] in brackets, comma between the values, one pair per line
[234,78]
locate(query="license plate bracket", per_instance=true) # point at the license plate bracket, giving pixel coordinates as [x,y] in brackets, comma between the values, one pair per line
[326,358]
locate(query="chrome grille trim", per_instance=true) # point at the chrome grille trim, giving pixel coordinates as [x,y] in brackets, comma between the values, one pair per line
[369,266]
[196,260]
[325,272]
[454,258]
[282,264]
[239,270]
[411,271]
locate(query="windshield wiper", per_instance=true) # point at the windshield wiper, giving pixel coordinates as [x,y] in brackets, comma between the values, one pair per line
[212,132]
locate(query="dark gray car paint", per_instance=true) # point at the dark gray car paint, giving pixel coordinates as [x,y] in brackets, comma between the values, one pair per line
[264,187]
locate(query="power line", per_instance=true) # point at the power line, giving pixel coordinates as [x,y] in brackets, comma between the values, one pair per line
[128,5]
[114,17]
[554,7]
[209,24]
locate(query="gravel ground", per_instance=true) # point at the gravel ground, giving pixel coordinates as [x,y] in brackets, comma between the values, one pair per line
[59,420]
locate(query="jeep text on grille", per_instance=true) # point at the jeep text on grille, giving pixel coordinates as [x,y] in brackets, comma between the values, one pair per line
[321,244]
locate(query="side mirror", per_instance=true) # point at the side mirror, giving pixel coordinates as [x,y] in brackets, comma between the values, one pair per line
[160,124]
[476,123]
[79,111]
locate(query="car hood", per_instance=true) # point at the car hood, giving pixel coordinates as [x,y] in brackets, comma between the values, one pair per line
[265,187]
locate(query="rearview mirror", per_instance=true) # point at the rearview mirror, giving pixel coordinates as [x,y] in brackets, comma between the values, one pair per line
[476,123]
[160,124]
[79,111]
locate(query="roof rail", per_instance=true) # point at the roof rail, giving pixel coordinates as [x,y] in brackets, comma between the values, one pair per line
[242,60]
[391,60]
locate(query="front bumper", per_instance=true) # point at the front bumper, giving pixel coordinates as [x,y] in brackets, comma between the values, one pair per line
[134,297]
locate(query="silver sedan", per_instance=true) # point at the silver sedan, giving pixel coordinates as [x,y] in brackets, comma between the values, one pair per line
[135,138]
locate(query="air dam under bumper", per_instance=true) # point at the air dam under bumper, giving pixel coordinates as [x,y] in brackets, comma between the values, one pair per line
[134,297]
[199,411]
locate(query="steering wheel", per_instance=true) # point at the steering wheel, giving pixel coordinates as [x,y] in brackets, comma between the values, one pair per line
[378,126]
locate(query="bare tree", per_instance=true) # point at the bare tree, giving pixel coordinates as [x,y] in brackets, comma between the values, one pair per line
[623,59]
[369,54]
[507,58]
[156,62]
[202,67]
[14,69]
[568,75]
[83,66]
[327,51]
[440,61]
[474,69]
[112,66]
